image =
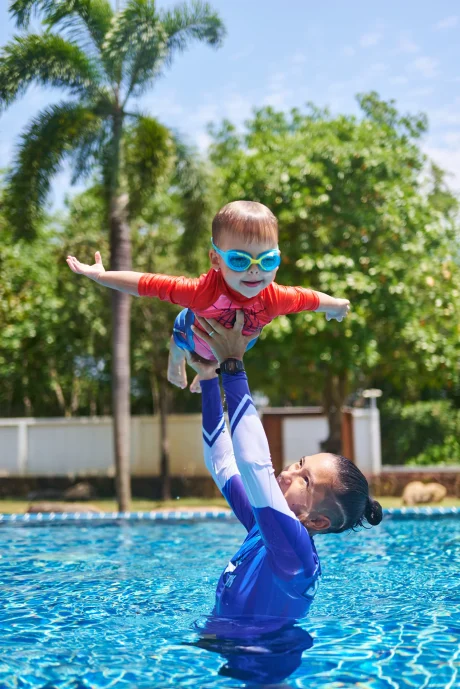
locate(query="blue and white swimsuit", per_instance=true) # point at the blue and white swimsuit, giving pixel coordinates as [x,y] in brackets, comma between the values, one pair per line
[275,573]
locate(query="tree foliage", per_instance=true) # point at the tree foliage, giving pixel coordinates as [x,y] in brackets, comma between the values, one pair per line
[55,331]
[360,217]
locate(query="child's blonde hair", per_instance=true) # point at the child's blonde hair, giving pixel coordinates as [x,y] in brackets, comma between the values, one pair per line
[249,220]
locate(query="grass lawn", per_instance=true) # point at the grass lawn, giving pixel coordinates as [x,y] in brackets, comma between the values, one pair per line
[11,506]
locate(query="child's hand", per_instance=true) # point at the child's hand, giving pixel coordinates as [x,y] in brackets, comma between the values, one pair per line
[93,272]
[339,311]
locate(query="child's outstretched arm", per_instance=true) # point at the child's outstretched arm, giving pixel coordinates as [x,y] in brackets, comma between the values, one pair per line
[332,307]
[121,280]
[177,290]
[284,300]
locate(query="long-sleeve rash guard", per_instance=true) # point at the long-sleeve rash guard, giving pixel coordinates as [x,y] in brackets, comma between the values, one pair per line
[210,296]
[275,572]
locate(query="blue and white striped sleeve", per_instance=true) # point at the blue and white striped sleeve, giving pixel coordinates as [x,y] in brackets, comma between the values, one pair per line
[286,539]
[218,454]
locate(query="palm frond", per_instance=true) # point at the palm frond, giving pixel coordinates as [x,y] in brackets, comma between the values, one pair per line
[53,134]
[148,154]
[196,21]
[87,155]
[137,43]
[91,149]
[49,60]
[94,15]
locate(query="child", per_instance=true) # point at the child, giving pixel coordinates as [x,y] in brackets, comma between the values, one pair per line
[244,262]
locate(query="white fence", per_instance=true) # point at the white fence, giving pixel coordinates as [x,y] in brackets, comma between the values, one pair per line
[303,435]
[79,446]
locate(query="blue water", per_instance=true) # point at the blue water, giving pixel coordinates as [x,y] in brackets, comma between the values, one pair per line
[113,605]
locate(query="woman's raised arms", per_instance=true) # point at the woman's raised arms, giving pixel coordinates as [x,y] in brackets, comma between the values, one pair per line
[286,539]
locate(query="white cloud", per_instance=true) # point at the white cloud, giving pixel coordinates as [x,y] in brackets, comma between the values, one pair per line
[451,138]
[349,51]
[208,112]
[417,93]
[448,115]
[426,66]
[406,45]
[447,23]
[277,93]
[398,80]
[165,107]
[278,98]
[237,108]
[369,39]
[298,59]
[242,54]
[378,67]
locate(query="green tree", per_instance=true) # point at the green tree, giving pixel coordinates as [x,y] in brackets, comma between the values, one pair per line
[356,220]
[54,332]
[104,60]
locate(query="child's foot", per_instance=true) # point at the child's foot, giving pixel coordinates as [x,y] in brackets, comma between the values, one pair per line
[177,374]
[195,384]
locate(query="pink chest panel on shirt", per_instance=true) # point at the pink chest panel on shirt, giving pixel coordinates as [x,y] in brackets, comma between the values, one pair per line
[223,310]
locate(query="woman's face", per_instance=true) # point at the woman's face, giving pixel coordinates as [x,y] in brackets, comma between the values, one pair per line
[308,486]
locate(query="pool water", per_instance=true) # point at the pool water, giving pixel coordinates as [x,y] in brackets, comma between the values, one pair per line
[115,605]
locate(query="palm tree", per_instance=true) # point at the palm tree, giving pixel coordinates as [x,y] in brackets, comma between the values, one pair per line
[105,60]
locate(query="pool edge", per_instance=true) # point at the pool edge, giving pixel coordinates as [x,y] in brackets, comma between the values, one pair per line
[194,515]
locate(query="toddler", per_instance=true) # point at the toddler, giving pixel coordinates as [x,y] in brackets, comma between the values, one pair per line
[244,261]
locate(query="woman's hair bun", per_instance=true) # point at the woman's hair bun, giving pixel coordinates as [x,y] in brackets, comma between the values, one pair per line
[373,512]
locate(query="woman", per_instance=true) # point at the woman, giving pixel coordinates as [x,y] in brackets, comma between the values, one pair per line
[272,579]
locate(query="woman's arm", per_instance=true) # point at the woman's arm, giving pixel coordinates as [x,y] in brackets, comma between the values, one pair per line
[287,541]
[218,453]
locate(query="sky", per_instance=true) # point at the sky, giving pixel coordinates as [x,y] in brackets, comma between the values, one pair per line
[288,53]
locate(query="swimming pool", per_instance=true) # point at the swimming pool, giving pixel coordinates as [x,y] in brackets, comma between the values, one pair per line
[113,604]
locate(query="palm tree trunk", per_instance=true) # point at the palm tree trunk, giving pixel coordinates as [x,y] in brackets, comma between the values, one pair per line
[120,243]
[334,395]
[163,394]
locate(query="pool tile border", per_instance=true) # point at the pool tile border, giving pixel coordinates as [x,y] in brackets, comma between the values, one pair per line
[160,515]
[194,515]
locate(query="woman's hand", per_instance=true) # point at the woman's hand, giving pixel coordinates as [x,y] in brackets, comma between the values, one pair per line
[225,343]
[93,272]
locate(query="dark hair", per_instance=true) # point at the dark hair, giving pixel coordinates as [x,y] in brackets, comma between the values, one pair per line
[247,219]
[353,497]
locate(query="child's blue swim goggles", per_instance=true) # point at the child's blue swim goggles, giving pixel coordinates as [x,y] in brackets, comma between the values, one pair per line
[239,261]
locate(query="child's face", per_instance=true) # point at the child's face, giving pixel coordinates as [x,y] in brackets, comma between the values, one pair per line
[251,281]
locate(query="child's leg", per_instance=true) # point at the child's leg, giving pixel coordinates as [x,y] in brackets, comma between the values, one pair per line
[177,374]
[183,340]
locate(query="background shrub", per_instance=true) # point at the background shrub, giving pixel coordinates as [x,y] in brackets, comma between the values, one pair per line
[422,433]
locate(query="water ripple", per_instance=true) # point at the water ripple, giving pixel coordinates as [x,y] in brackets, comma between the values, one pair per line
[112,605]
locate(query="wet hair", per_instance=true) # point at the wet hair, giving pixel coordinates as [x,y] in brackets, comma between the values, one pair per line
[248,220]
[353,497]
